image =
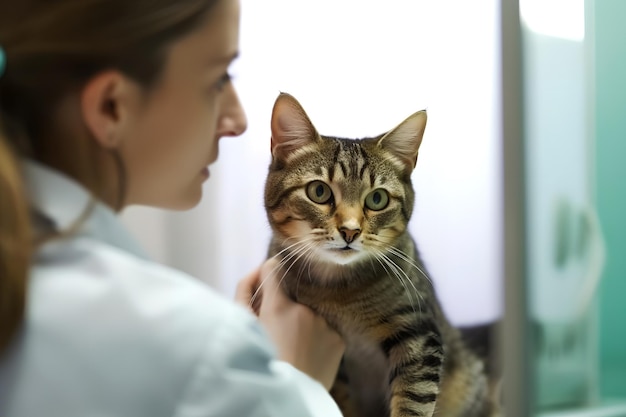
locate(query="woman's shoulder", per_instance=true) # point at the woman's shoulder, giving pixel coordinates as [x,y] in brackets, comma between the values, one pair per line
[85,270]
[101,283]
[104,314]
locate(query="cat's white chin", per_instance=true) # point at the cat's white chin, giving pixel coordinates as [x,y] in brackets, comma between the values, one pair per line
[341,256]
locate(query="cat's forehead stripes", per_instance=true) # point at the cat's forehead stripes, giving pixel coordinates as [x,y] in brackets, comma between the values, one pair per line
[350,161]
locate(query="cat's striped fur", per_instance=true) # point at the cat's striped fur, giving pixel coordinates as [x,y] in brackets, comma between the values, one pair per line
[339,211]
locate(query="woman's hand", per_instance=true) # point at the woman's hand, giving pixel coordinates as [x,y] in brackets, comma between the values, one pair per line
[303,338]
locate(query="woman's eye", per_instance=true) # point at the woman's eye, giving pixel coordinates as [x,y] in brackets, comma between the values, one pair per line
[319,192]
[223,81]
[377,200]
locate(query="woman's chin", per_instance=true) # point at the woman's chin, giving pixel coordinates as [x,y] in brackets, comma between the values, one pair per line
[183,201]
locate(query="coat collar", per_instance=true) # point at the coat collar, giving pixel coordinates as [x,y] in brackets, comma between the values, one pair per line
[62,201]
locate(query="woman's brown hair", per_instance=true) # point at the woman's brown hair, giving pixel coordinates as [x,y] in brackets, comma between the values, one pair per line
[52,48]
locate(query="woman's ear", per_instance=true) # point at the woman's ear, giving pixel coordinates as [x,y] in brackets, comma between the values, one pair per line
[107,106]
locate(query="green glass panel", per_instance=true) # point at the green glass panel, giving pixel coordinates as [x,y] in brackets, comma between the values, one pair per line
[610,57]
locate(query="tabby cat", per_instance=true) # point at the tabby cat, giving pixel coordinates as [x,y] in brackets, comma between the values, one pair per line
[339,211]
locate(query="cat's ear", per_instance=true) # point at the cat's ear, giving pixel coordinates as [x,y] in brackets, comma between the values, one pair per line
[404,140]
[291,127]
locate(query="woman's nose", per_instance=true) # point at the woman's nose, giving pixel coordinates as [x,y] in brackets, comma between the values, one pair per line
[233,121]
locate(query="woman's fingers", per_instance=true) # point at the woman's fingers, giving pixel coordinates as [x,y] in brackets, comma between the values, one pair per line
[250,289]
[302,338]
[274,297]
[247,287]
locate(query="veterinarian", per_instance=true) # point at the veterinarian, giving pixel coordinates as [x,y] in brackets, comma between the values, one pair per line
[105,104]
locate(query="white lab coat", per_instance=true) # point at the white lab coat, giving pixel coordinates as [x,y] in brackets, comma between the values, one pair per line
[110,333]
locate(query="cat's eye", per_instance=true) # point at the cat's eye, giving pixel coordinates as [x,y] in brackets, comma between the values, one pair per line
[319,192]
[377,200]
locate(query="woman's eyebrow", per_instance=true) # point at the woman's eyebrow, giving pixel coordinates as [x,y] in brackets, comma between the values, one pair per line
[225,59]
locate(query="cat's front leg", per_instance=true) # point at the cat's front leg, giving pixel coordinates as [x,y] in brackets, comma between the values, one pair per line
[416,365]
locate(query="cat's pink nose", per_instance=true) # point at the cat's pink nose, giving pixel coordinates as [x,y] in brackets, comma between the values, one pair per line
[349,234]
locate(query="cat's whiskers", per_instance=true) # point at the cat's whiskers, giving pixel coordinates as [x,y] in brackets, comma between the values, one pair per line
[298,254]
[298,240]
[381,247]
[403,277]
[306,263]
[281,262]
[299,245]
[408,260]
[419,294]
[399,253]
[384,263]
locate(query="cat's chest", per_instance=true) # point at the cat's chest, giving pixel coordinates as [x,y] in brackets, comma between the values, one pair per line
[367,370]
[363,316]
[361,351]
[358,322]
